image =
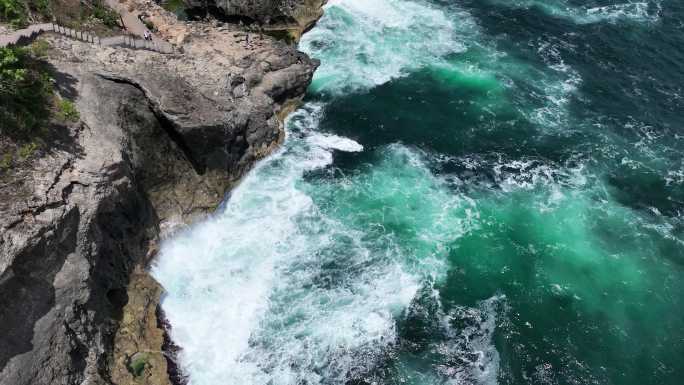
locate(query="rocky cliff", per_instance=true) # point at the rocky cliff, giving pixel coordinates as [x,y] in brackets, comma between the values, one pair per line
[294,16]
[160,140]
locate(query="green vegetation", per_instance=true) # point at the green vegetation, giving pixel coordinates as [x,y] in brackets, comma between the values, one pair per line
[91,15]
[25,93]
[27,150]
[137,364]
[176,6]
[40,48]
[28,104]
[18,12]
[67,112]
[6,161]
[149,25]
[25,102]
[14,12]
[106,15]
[42,6]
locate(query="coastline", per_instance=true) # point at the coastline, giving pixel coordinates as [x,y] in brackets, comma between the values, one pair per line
[158,145]
[143,288]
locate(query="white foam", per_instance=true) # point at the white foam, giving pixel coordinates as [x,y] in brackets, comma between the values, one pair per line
[466,355]
[277,290]
[633,11]
[477,338]
[558,89]
[253,294]
[334,142]
[363,44]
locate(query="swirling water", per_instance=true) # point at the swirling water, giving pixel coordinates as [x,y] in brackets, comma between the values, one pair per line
[475,192]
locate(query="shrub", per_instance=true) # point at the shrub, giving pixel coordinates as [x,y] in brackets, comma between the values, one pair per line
[27,150]
[137,364]
[6,161]
[149,25]
[14,12]
[42,6]
[174,5]
[25,93]
[67,111]
[108,17]
[40,48]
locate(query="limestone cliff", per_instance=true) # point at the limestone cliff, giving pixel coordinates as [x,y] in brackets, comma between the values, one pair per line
[160,140]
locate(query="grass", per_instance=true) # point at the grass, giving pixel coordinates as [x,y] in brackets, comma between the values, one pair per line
[40,48]
[6,161]
[67,112]
[27,150]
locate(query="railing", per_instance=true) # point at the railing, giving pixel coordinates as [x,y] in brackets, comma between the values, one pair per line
[27,35]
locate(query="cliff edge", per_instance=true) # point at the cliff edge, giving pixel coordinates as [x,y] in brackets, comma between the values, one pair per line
[159,141]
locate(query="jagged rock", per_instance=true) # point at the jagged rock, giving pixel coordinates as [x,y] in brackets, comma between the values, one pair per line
[294,16]
[137,354]
[160,141]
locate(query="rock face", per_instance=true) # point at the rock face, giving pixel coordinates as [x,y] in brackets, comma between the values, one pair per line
[267,11]
[293,15]
[159,142]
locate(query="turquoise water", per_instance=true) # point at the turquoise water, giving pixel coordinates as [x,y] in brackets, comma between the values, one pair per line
[474,192]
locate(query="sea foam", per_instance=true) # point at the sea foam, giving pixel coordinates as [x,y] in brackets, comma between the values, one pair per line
[363,44]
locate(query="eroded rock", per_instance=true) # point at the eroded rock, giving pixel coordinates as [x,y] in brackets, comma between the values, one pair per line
[161,138]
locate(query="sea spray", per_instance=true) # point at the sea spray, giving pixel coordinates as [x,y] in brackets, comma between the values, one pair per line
[489,196]
[275,289]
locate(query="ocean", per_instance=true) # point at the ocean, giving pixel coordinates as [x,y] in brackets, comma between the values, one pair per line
[473,192]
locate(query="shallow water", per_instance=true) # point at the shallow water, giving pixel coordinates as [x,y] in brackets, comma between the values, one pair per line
[475,192]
